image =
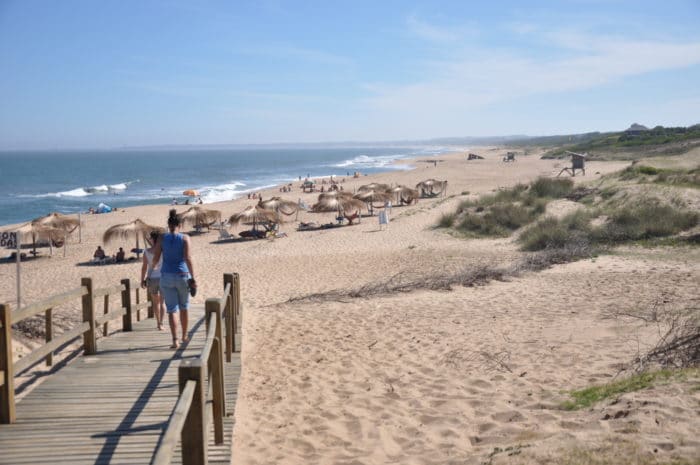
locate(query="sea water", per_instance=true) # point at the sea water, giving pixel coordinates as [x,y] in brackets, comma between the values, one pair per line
[36,183]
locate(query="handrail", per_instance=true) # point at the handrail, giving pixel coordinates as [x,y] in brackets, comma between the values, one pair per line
[36,355]
[53,301]
[211,334]
[87,329]
[108,290]
[165,450]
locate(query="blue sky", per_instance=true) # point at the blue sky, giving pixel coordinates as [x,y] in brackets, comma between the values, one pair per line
[101,74]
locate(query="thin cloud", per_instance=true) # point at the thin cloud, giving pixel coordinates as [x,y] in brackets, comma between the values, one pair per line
[435,33]
[487,76]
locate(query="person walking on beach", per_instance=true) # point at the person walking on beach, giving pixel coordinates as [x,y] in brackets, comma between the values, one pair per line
[150,280]
[176,275]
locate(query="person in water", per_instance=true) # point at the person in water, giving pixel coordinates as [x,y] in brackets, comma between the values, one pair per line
[176,275]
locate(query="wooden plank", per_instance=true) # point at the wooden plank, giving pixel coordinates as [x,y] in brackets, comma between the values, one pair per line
[51,302]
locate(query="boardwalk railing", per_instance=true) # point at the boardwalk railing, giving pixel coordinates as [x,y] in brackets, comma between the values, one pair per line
[189,420]
[88,330]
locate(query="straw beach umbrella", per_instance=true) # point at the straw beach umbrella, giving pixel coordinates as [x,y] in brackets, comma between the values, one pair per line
[39,232]
[199,216]
[136,228]
[253,215]
[374,187]
[431,187]
[279,206]
[335,194]
[60,222]
[371,196]
[341,204]
[404,194]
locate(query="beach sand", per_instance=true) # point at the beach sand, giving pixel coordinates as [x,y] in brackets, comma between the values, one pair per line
[472,375]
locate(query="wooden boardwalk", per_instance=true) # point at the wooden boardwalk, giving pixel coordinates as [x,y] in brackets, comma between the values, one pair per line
[113,407]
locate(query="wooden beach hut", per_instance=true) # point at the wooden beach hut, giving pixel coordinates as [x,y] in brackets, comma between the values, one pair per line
[578,162]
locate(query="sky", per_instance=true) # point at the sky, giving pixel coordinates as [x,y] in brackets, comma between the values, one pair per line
[114,73]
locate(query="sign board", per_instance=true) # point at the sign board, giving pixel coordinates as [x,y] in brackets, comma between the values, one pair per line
[8,240]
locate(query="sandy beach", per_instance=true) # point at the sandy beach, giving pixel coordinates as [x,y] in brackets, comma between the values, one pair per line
[473,375]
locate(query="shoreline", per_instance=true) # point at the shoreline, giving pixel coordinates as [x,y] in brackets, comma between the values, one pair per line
[271,190]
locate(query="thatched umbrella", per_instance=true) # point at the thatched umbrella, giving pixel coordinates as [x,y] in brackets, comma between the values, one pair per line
[404,194]
[253,215]
[58,221]
[39,232]
[342,205]
[136,228]
[279,206]
[373,196]
[374,187]
[431,187]
[200,217]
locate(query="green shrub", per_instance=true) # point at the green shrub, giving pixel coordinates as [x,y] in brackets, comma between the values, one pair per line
[553,233]
[555,188]
[645,220]
[500,219]
[648,170]
[446,220]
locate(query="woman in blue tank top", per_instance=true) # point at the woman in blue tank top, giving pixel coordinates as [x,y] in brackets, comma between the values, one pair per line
[176,275]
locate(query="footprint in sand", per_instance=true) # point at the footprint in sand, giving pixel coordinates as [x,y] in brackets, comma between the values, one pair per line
[508,417]
[389,445]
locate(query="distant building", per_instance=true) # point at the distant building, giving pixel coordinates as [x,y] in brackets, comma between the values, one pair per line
[636,129]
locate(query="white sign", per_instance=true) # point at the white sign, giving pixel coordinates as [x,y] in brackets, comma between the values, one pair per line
[8,240]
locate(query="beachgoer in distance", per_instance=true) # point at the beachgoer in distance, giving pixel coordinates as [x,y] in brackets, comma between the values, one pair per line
[176,275]
[150,279]
[120,257]
[99,253]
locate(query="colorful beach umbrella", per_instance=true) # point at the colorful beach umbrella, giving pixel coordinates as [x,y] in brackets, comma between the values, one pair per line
[191,193]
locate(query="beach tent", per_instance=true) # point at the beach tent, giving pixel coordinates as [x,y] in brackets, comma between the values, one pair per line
[103,208]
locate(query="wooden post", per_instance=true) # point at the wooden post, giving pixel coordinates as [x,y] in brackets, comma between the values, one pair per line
[219,400]
[105,326]
[236,305]
[7,389]
[149,298]
[89,339]
[49,334]
[138,301]
[229,317]
[126,303]
[214,306]
[194,432]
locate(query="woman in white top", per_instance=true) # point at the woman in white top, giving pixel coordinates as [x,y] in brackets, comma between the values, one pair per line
[150,279]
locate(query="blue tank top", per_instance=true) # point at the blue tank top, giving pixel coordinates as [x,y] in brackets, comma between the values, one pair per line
[173,247]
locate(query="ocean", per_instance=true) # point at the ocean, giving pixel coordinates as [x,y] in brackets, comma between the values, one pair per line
[36,183]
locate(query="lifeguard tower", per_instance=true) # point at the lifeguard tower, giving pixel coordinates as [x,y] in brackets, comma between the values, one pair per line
[578,162]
